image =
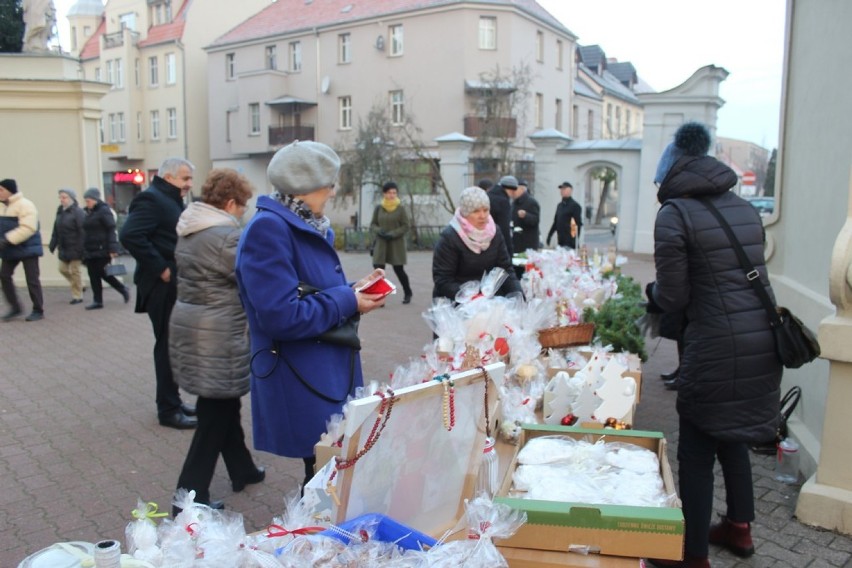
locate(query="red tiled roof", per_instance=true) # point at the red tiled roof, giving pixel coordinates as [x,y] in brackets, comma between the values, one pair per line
[92,47]
[165,33]
[288,16]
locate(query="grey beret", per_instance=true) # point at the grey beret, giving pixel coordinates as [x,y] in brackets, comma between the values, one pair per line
[471,199]
[92,193]
[70,193]
[509,181]
[303,167]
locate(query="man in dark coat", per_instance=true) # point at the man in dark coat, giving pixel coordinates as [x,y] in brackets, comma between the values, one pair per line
[500,197]
[525,218]
[730,376]
[567,211]
[149,234]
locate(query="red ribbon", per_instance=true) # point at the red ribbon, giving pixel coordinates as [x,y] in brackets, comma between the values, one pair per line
[281,531]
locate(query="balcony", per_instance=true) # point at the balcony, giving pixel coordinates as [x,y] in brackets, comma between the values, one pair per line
[116,39]
[498,127]
[282,135]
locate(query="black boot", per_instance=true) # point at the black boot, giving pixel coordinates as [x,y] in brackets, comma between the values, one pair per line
[310,463]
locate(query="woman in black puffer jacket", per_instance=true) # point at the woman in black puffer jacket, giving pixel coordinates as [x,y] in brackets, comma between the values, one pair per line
[730,377]
[100,246]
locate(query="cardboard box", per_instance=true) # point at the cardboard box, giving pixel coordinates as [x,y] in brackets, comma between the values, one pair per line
[617,530]
[526,558]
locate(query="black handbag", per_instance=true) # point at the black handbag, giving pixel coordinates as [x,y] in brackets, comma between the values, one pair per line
[345,334]
[788,404]
[795,344]
[117,269]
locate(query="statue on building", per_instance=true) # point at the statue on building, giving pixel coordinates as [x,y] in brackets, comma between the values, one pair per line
[39,22]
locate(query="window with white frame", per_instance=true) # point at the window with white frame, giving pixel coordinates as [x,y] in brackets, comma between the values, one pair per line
[539,47]
[171,115]
[559,54]
[344,48]
[254,119]
[119,73]
[575,121]
[558,121]
[618,122]
[109,77]
[97,73]
[272,57]
[137,72]
[608,120]
[128,21]
[119,118]
[539,110]
[295,56]
[628,122]
[153,71]
[397,107]
[396,39]
[171,69]
[487,32]
[155,125]
[168,4]
[344,105]
[140,135]
[590,125]
[113,129]
[229,65]
[73,38]
[101,129]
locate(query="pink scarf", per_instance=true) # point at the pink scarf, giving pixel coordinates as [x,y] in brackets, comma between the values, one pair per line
[475,239]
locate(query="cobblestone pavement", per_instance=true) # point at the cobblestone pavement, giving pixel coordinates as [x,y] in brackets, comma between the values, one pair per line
[80,443]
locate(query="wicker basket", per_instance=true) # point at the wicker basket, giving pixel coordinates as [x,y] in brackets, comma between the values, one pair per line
[566,336]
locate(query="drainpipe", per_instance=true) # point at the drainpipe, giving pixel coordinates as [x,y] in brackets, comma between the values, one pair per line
[183,79]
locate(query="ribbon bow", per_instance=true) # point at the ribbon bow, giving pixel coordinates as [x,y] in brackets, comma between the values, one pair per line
[149,513]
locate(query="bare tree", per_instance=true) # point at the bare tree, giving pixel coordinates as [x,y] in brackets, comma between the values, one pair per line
[607,176]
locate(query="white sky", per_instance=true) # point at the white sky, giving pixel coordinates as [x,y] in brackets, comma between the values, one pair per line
[668,40]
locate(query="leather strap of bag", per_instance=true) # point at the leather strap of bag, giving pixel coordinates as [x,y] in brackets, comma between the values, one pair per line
[311,388]
[752,275]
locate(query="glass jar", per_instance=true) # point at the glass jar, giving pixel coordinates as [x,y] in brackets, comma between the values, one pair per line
[787,461]
[487,480]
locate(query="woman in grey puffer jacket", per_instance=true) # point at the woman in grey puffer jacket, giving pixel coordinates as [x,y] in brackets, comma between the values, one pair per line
[730,377]
[208,334]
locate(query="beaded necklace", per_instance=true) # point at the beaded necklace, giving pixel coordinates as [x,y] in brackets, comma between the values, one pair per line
[381,421]
[448,403]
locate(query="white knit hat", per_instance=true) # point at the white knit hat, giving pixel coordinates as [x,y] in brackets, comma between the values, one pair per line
[303,167]
[471,199]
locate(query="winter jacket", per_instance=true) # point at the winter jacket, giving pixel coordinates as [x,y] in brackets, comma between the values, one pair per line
[277,251]
[395,224]
[453,264]
[729,374]
[208,330]
[501,212]
[68,233]
[99,240]
[525,233]
[149,236]
[19,226]
[566,210]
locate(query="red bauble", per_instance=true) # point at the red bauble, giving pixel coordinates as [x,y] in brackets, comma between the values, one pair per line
[501,346]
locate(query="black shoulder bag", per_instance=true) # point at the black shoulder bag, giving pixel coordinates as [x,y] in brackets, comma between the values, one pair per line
[345,335]
[788,404]
[795,344]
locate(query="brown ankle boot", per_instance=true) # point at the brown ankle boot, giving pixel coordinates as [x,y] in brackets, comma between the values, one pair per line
[734,538]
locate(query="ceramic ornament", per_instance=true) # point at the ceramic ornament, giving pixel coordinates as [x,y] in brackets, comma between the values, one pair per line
[619,396]
[559,397]
[586,404]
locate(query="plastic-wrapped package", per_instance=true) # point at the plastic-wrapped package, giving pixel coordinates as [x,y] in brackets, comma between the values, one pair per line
[222,542]
[141,534]
[517,408]
[446,323]
[486,521]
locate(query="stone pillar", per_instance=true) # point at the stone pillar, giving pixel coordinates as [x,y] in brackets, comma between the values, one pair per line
[454,151]
[826,498]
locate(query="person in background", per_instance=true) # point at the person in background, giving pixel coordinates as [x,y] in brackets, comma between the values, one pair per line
[485,184]
[568,219]
[67,237]
[470,246]
[500,198]
[298,379]
[20,243]
[525,219]
[390,226]
[149,235]
[100,246]
[208,335]
[729,379]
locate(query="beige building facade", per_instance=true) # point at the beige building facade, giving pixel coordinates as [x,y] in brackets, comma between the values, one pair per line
[271,85]
[151,54]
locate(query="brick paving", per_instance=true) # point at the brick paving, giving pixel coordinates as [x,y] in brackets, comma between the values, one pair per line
[79,439]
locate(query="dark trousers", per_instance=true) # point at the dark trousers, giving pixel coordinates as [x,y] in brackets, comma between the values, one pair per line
[31,272]
[219,431]
[399,270]
[159,305]
[696,453]
[95,267]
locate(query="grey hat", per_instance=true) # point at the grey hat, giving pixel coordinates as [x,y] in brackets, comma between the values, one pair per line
[471,199]
[92,193]
[70,193]
[509,182]
[303,167]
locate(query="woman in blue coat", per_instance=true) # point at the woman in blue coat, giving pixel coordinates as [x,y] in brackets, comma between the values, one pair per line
[297,380]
